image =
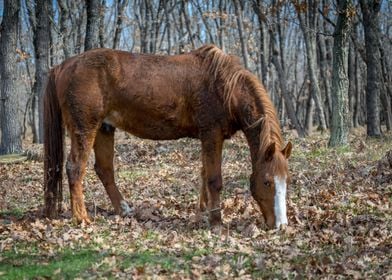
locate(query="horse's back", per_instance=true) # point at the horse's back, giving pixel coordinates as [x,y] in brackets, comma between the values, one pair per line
[147,95]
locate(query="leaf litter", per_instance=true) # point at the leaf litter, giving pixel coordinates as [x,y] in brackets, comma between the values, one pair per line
[339,209]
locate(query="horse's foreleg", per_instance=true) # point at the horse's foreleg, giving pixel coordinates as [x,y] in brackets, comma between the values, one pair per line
[212,159]
[81,146]
[104,154]
[203,199]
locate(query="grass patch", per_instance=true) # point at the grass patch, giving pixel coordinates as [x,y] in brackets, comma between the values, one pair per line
[12,212]
[132,175]
[65,264]
[12,158]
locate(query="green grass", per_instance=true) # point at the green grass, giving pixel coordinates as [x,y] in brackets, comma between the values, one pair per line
[15,212]
[69,264]
[65,264]
[132,174]
[12,158]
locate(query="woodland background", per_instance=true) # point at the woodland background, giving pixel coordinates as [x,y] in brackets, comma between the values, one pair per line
[288,44]
[314,57]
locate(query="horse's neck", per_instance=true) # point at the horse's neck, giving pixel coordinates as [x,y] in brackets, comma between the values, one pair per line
[257,142]
[252,133]
[258,124]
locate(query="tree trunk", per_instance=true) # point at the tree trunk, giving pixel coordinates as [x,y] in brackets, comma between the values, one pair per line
[358,92]
[309,114]
[101,35]
[92,28]
[41,38]
[11,126]
[387,88]
[238,13]
[340,108]
[283,87]
[79,25]
[222,24]
[64,14]
[168,27]
[259,10]
[121,4]
[308,20]
[325,75]
[371,11]
[187,23]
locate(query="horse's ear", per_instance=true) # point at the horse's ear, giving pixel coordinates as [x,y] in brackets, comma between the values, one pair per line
[287,150]
[269,153]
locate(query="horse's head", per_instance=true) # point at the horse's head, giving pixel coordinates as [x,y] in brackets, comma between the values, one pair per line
[269,184]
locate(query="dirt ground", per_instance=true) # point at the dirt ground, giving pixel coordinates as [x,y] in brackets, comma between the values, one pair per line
[339,210]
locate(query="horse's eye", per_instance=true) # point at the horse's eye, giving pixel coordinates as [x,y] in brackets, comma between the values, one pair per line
[267,184]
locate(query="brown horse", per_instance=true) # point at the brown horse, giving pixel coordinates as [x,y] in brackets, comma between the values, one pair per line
[205,94]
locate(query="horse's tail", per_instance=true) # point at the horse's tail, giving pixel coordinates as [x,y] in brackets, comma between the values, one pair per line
[53,149]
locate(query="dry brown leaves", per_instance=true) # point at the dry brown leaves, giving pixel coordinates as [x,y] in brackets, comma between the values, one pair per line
[339,212]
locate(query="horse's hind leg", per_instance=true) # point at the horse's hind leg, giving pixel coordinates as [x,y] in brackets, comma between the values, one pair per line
[81,145]
[104,154]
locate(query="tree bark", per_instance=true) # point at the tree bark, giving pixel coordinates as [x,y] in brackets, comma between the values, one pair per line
[92,28]
[187,23]
[41,40]
[241,33]
[386,95]
[79,25]
[102,11]
[11,125]
[309,114]
[325,75]
[263,49]
[64,15]
[121,4]
[371,11]
[357,104]
[283,87]
[340,108]
[351,83]
[308,20]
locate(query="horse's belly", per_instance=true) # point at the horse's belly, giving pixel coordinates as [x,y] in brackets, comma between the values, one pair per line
[150,126]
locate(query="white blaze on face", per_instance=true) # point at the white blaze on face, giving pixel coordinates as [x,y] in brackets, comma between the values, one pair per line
[280,201]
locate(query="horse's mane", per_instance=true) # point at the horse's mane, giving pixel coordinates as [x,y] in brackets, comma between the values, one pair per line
[226,71]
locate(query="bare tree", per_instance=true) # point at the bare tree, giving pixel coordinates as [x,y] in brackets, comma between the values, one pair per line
[263,47]
[371,11]
[92,28]
[121,4]
[10,122]
[283,87]
[307,16]
[238,13]
[340,108]
[64,16]
[41,40]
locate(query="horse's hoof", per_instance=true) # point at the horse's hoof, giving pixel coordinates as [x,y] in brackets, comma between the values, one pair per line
[215,221]
[81,220]
[202,207]
[217,229]
[126,210]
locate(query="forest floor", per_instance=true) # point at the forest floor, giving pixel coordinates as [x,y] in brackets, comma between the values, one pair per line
[339,210]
